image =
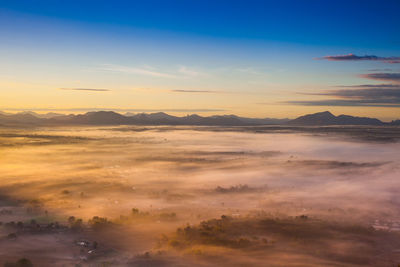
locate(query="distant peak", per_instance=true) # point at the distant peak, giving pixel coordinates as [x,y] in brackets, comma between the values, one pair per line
[193,116]
[102,112]
[325,113]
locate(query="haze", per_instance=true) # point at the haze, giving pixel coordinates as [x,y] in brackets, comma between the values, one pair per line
[177,176]
[199,133]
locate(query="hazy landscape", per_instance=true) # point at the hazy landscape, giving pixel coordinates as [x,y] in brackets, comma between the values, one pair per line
[199,133]
[128,195]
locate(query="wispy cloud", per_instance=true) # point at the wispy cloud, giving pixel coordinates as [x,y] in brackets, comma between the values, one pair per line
[381,95]
[182,71]
[353,57]
[195,91]
[87,89]
[392,77]
[132,70]
[384,85]
[380,70]
[250,70]
[189,72]
[342,103]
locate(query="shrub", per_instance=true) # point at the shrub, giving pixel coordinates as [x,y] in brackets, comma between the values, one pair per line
[98,223]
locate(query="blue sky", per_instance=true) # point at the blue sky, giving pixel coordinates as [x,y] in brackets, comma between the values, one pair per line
[255,58]
[363,24]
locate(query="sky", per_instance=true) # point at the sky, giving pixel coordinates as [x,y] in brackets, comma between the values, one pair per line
[250,58]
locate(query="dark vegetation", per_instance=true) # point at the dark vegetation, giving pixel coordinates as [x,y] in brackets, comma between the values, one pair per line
[89,250]
[241,188]
[140,216]
[23,262]
[299,234]
[25,139]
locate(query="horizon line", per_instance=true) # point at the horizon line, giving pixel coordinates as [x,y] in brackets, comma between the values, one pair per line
[150,111]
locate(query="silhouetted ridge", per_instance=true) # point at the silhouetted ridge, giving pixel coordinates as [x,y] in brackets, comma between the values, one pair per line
[161,118]
[327,118]
[100,117]
[395,123]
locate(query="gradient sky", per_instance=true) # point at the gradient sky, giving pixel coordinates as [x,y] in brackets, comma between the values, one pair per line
[251,58]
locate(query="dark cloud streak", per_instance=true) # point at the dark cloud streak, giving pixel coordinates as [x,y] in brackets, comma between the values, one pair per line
[380,86]
[353,57]
[343,103]
[393,77]
[380,70]
[380,95]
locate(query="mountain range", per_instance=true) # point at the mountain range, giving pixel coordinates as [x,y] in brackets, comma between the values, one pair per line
[161,118]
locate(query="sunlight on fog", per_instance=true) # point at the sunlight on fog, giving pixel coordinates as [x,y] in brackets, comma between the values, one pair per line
[150,181]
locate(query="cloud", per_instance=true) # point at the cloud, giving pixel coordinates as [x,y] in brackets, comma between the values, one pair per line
[379,95]
[189,72]
[376,91]
[342,103]
[353,57]
[250,70]
[380,70]
[181,72]
[393,77]
[385,85]
[193,91]
[87,89]
[140,71]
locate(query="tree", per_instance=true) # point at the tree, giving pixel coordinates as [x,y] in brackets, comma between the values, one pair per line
[24,262]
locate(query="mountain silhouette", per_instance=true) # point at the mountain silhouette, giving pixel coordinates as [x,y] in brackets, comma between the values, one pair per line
[160,118]
[327,118]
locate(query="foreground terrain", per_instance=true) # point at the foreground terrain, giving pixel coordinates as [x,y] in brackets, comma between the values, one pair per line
[200,196]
